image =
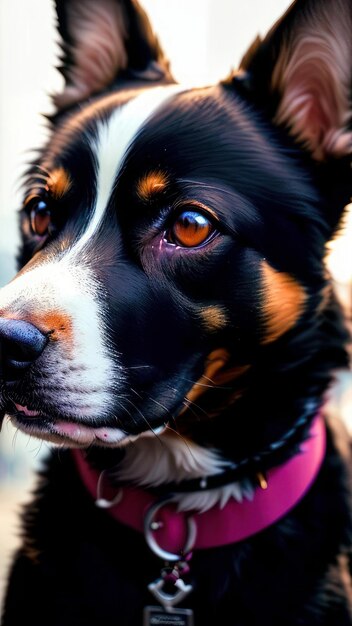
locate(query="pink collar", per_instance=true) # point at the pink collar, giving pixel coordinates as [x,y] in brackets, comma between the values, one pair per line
[286,486]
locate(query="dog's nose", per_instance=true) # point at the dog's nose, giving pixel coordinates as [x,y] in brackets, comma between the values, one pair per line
[21,344]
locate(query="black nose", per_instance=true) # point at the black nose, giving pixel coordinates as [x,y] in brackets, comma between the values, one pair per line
[21,344]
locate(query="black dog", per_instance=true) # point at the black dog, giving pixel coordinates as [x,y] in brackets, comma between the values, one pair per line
[174,319]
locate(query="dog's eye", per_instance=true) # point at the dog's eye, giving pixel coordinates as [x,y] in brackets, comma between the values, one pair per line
[191,229]
[40,218]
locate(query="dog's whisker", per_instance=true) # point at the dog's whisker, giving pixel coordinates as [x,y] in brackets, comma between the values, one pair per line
[168,427]
[144,418]
[123,408]
[213,385]
[130,415]
[36,451]
[198,384]
[196,406]
[162,406]
[189,408]
[152,400]
[60,449]
[136,393]
[29,440]
[171,416]
[14,438]
[155,402]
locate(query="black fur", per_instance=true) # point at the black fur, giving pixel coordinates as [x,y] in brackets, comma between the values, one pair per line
[79,567]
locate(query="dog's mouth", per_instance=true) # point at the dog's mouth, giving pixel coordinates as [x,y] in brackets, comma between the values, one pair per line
[79,425]
[63,430]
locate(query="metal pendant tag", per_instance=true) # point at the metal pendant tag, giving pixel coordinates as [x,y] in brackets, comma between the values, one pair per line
[157,616]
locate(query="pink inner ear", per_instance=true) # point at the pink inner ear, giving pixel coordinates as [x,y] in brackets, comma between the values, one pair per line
[313,74]
[99,31]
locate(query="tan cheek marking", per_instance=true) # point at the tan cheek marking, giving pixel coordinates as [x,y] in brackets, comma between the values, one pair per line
[59,183]
[213,318]
[215,373]
[152,184]
[283,302]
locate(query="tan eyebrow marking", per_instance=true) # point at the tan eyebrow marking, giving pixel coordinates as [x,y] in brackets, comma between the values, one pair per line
[283,302]
[151,184]
[59,182]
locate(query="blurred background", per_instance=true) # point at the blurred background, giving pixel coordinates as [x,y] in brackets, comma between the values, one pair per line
[204,40]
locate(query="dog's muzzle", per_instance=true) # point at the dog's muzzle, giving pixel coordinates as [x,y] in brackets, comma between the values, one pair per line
[21,344]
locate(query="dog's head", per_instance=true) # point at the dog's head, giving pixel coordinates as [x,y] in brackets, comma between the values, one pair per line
[174,238]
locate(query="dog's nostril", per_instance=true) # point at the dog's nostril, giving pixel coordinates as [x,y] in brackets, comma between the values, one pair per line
[21,344]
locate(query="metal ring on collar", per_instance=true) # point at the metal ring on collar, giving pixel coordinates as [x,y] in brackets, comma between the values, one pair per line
[149,519]
[104,503]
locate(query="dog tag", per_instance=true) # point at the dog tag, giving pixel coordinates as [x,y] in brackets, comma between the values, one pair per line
[157,616]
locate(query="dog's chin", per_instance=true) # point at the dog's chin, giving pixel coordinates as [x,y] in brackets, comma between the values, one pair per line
[68,433]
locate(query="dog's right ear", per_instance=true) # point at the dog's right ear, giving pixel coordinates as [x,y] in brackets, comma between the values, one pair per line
[101,40]
[300,75]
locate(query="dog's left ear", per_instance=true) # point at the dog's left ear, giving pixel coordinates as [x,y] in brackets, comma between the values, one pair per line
[301,75]
[102,40]
[305,66]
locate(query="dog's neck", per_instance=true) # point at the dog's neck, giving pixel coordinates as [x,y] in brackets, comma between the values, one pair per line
[153,460]
[225,522]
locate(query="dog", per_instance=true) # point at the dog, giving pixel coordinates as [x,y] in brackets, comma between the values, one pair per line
[173,329]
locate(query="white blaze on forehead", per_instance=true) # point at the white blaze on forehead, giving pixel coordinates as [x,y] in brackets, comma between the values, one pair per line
[114,137]
[88,371]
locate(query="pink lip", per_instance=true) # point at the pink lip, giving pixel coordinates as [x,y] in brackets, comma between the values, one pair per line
[86,435]
[27,412]
[78,433]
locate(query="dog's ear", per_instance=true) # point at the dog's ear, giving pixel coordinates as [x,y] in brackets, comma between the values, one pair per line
[303,69]
[301,76]
[102,40]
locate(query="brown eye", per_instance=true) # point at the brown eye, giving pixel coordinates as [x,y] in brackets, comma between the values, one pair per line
[191,229]
[40,218]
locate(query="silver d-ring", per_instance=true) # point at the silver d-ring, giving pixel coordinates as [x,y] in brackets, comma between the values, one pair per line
[150,538]
[104,503]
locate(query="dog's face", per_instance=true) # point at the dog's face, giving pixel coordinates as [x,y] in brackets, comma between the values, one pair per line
[171,236]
